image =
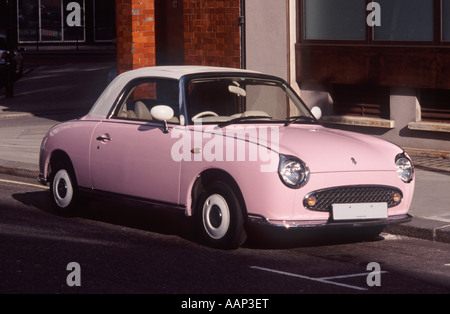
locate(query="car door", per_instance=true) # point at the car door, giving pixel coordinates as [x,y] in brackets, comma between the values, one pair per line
[131,155]
[134,159]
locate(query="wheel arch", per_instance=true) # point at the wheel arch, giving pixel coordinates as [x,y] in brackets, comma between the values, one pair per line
[59,157]
[210,175]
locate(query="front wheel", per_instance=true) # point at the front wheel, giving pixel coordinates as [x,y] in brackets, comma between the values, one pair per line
[219,217]
[64,191]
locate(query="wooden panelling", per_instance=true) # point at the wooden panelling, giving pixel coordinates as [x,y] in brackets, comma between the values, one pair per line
[415,66]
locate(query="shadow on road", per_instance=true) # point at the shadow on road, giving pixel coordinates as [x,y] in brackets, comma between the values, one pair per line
[136,216]
[158,220]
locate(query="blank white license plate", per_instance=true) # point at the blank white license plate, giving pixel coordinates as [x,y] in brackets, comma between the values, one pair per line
[360,211]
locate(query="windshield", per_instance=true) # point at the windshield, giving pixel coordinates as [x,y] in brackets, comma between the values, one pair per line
[239,99]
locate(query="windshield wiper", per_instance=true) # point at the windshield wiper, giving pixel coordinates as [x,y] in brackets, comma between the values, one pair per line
[297,118]
[239,119]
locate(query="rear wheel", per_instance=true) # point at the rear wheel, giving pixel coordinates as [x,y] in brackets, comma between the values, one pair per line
[64,190]
[219,217]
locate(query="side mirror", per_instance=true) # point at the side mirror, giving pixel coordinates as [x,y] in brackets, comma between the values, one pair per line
[162,113]
[317,112]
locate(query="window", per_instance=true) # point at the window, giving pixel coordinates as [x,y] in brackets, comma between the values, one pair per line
[335,20]
[143,95]
[28,20]
[51,21]
[445,20]
[401,20]
[435,105]
[361,101]
[104,21]
[406,20]
[407,45]
[73,20]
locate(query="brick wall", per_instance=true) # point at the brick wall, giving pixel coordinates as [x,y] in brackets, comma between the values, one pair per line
[135,22]
[212,32]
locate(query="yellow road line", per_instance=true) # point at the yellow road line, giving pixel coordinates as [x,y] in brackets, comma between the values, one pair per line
[24,183]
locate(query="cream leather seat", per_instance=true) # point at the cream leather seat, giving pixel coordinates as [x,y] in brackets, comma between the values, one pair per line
[142,111]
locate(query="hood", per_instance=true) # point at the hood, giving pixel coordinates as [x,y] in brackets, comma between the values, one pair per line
[331,150]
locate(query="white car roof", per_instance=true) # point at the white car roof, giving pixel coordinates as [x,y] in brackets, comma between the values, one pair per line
[176,72]
[103,105]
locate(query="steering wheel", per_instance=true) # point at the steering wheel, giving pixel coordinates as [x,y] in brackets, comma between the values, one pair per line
[204,113]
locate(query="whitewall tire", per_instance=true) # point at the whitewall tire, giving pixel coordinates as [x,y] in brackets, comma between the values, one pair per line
[64,191]
[216,216]
[219,217]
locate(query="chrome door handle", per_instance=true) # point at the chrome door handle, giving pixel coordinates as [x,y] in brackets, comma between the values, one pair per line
[104,138]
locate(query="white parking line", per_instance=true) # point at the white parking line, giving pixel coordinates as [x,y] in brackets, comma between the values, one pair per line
[352,275]
[322,280]
[24,183]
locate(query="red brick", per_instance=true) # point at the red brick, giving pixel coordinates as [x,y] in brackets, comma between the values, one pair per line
[211,33]
[135,34]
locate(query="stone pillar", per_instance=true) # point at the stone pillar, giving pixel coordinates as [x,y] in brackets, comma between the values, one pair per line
[135,21]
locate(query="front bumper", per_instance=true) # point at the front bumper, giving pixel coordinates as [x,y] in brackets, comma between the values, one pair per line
[42,179]
[327,224]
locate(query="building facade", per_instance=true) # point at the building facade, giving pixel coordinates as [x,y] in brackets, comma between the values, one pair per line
[377,67]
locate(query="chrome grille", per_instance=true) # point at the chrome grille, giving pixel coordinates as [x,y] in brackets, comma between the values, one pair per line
[352,194]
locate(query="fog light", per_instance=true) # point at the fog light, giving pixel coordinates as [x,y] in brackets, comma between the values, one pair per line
[397,197]
[311,200]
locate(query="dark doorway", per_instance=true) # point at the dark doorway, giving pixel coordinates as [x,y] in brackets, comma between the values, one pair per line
[169,32]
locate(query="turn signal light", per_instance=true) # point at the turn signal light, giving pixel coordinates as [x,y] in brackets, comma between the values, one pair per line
[311,200]
[397,197]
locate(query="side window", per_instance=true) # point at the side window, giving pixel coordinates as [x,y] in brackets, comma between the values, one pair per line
[142,95]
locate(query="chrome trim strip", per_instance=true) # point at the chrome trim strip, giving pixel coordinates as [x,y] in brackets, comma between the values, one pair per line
[288,224]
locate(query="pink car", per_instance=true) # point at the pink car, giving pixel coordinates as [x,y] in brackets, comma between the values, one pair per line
[230,148]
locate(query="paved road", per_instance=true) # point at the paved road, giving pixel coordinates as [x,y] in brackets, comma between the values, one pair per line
[128,249]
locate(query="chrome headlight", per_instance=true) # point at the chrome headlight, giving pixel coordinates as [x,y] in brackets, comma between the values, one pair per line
[404,167]
[293,172]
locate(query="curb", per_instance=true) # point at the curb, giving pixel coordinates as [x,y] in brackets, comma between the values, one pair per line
[422,228]
[20,172]
[14,115]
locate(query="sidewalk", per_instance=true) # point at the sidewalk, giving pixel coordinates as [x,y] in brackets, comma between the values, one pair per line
[77,85]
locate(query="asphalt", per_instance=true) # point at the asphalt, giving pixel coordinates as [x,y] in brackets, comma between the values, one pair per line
[59,87]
